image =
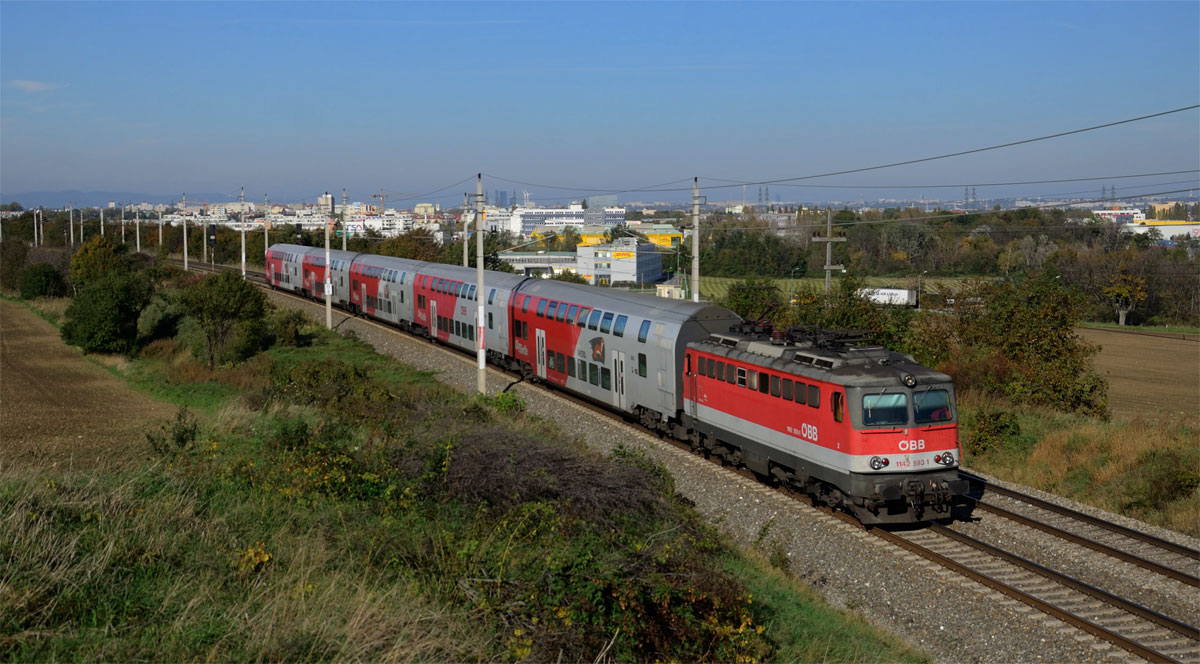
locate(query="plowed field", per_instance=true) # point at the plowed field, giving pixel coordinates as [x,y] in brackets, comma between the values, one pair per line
[1148,374]
[59,409]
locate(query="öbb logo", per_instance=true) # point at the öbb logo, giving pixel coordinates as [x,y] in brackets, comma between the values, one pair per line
[912,445]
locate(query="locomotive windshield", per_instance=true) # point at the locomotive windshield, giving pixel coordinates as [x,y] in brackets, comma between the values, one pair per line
[885,409]
[931,406]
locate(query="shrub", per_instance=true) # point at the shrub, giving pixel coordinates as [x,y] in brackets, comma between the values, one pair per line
[286,327]
[160,319]
[12,261]
[177,436]
[96,259]
[42,280]
[104,316]
[220,304]
[990,429]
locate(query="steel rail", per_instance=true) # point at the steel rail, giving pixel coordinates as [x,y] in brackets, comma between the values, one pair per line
[1041,605]
[1125,605]
[1086,518]
[1069,536]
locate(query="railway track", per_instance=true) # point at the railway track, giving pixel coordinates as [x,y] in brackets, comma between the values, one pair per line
[1137,629]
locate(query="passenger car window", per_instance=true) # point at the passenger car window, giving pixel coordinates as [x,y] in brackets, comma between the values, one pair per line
[606,323]
[551,309]
[642,364]
[541,308]
[594,319]
[619,328]
[643,331]
[571,314]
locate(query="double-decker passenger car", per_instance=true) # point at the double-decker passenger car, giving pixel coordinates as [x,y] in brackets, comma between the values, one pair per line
[833,415]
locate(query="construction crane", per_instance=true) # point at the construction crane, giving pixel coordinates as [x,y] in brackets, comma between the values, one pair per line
[382,196]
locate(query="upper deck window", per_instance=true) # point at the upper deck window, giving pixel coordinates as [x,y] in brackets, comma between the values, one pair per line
[885,409]
[931,406]
[619,328]
[644,331]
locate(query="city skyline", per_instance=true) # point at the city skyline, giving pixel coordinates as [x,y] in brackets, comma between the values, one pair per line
[295,99]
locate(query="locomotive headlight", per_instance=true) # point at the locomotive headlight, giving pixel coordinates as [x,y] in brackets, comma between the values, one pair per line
[909,380]
[945,458]
[877,463]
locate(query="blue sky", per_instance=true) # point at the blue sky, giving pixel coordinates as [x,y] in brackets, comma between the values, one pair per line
[292,100]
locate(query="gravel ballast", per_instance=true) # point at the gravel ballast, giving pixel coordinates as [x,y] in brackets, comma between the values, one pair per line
[952,618]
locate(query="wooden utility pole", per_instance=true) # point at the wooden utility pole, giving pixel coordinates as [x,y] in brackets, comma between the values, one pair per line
[829,239]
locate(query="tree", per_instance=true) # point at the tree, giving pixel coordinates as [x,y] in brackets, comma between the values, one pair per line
[41,280]
[104,316]
[217,304]
[1125,291]
[97,258]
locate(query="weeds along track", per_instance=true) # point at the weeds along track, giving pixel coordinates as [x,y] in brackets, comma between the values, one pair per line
[1082,605]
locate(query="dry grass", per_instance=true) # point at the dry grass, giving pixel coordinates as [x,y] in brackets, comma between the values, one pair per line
[52,309]
[142,570]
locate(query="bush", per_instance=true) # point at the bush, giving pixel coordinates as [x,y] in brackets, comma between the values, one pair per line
[224,307]
[42,280]
[160,319]
[990,429]
[286,327]
[104,316]
[177,436]
[12,262]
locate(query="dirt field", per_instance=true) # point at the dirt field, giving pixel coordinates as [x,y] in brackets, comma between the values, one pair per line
[1148,374]
[59,409]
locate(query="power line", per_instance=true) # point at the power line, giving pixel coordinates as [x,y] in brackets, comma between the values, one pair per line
[907,162]
[975,184]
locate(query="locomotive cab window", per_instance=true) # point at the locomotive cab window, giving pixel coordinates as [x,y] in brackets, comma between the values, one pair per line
[775,386]
[884,409]
[931,406]
[837,403]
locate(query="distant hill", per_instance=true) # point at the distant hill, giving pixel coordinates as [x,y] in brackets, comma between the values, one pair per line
[59,199]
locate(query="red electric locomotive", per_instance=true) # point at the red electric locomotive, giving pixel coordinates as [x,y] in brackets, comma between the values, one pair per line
[829,413]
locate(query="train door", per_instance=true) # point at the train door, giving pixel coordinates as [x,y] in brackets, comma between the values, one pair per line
[690,377]
[541,353]
[363,286]
[619,399]
[433,332]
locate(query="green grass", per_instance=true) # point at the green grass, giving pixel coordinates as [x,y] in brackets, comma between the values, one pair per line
[1142,328]
[360,510]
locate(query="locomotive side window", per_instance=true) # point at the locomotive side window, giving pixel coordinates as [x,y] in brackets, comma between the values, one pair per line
[720,371]
[799,396]
[712,368]
[838,404]
[606,323]
[643,331]
[641,371]
[931,406]
[764,382]
[774,386]
[571,313]
[752,381]
[814,396]
[786,392]
[731,375]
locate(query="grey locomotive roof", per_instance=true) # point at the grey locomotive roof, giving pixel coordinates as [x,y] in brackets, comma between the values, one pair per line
[639,304]
[854,366]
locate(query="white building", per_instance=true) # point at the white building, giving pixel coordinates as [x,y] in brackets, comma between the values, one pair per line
[523,220]
[1127,216]
[623,261]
